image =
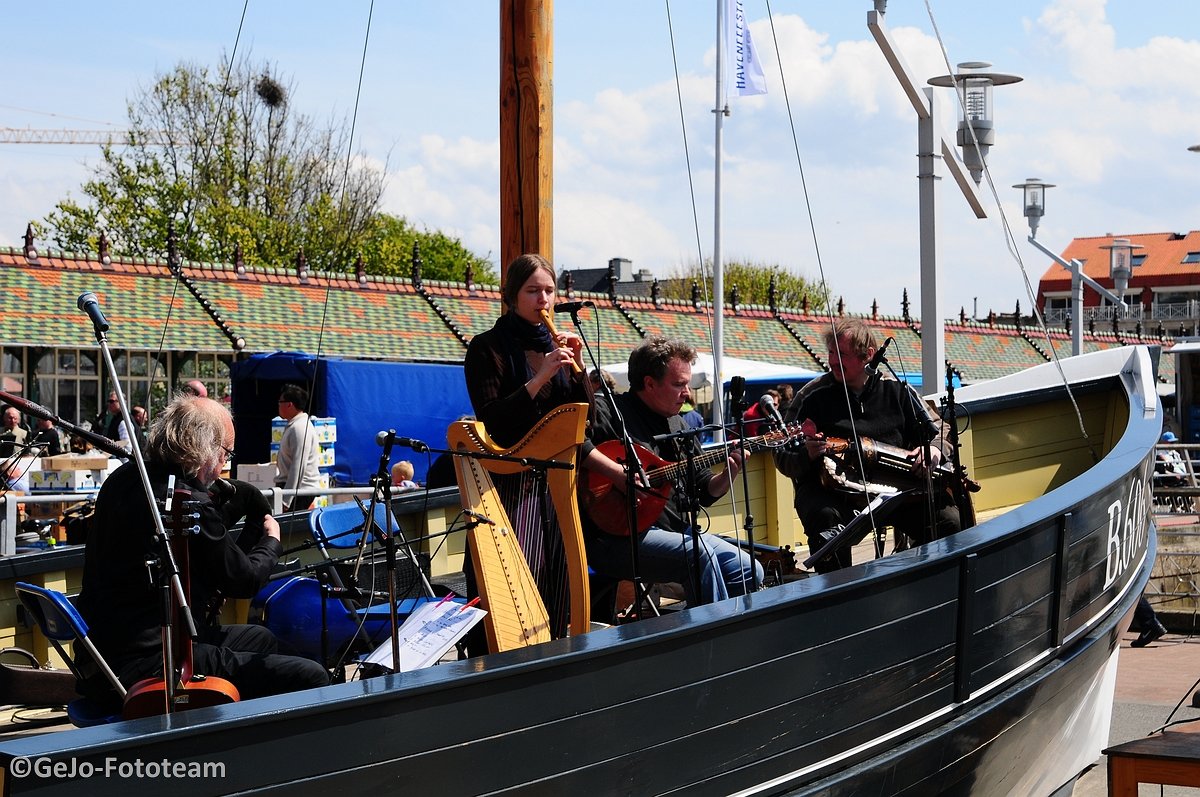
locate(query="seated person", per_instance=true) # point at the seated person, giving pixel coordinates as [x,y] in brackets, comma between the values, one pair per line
[13,436]
[884,410]
[402,473]
[756,416]
[47,437]
[191,439]
[659,373]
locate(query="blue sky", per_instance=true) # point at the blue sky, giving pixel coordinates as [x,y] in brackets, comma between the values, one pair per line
[1109,105]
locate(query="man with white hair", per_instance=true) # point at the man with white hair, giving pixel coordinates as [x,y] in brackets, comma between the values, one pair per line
[191,440]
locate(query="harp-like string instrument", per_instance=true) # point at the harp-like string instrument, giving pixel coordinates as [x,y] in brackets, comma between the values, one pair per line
[516,614]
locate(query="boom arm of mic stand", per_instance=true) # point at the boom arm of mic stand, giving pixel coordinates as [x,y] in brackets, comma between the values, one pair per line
[38,411]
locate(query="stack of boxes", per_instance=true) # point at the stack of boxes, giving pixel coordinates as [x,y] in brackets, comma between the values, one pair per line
[326,429]
[70,473]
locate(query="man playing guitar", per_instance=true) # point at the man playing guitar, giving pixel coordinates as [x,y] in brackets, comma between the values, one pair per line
[854,402]
[659,373]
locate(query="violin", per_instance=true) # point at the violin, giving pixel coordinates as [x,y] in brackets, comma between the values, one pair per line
[151,696]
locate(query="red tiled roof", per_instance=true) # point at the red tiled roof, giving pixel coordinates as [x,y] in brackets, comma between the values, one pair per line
[1163,265]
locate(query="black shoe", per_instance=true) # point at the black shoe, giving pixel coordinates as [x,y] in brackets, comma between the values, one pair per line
[1147,636]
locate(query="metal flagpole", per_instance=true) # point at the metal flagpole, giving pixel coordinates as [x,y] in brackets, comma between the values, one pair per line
[720,110]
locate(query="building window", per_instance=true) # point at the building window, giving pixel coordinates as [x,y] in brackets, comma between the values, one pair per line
[68,382]
[211,369]
[12,371]
[1192,257]
[1137,260]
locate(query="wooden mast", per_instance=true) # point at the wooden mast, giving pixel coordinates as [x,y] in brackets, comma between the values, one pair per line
[526,129]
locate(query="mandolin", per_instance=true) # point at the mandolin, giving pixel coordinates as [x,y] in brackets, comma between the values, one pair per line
[148,697]
[607,506]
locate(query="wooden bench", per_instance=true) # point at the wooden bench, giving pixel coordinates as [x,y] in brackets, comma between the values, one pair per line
[1171,759]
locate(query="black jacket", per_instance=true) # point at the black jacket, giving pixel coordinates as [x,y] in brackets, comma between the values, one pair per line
[644,424]
[884,411]
[119,600]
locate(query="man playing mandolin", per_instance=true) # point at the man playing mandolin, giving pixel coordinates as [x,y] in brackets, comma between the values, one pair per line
[190,439]
[659,373]
[855,403]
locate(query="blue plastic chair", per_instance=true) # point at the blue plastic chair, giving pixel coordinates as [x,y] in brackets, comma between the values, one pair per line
[61,622]
[340,525]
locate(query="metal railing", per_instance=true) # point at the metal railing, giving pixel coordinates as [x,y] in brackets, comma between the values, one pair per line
[1174,586]
[1060,315]
[1176,311]
[9,524]
[1175,488]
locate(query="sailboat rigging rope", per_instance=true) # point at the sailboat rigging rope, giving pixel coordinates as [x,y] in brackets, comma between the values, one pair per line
[706,298]
[153,368]
[1010,243]
[309,429]
[823,286]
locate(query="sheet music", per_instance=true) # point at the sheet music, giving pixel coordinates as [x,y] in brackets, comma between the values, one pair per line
[427,634]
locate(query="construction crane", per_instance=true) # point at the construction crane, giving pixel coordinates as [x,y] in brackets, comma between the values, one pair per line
[28,135]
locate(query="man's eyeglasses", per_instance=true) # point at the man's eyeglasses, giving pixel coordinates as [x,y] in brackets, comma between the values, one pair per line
[228,452]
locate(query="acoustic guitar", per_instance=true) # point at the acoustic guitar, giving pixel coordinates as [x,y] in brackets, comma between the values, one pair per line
[608,507]
[148,697]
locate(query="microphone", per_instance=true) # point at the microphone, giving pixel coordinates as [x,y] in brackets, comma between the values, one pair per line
[878,357]
[572,307]
[737,388]
[387,440]
[89,304]
[478,517]
[767,402]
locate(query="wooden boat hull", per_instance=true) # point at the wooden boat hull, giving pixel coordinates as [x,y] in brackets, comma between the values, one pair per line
[980,664]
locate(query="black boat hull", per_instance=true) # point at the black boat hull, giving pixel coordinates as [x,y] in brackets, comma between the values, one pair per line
[979,664]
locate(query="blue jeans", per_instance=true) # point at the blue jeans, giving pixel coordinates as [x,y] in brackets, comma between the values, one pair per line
[667,556]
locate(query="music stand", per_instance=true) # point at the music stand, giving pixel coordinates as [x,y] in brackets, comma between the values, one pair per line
[862,524]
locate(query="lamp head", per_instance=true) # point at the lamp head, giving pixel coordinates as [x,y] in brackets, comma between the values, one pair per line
[1035,201]
[974,86]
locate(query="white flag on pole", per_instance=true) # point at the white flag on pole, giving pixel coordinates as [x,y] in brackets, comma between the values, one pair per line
[745,68]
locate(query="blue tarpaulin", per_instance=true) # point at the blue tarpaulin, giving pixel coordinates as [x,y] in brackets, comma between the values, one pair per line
[418,400]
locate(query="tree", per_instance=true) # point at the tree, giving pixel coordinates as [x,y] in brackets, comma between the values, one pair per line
[389,247]
[236,167]
[753,282]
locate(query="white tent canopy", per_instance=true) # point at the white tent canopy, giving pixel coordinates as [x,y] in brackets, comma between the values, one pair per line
[702,373]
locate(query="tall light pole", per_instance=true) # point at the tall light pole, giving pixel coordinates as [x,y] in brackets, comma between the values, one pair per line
[974,87]
[1119,268]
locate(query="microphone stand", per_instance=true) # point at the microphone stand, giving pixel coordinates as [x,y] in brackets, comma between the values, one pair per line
[689,500]
[382,484]
[168,568]
[922,419]
[634,471]
[737,405]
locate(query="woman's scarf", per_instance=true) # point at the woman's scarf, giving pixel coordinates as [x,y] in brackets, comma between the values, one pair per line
[519,336]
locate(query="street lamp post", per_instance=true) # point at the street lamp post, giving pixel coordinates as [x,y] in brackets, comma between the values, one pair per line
[1035,207]
[974,87]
